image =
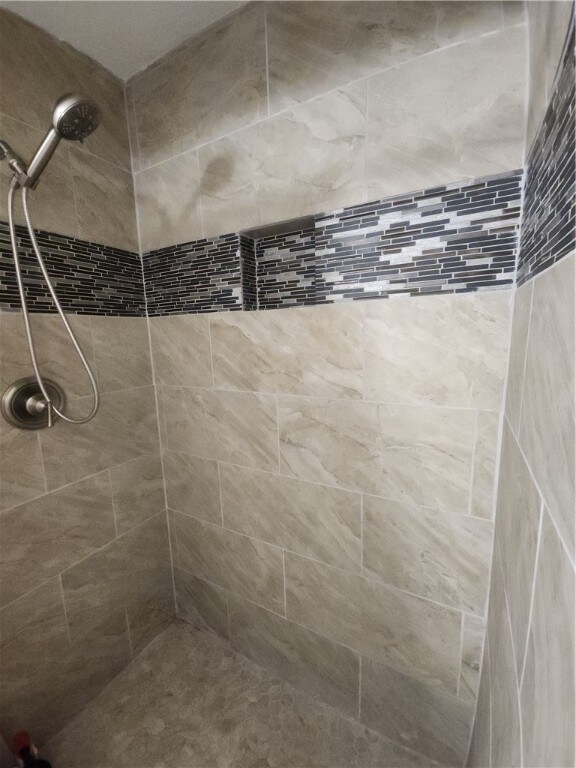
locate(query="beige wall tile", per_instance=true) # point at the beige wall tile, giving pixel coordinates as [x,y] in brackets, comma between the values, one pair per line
[104,196]
[313,520]
[405,632]
[547,696]
[247,567]
[443,350]
[416,454]
[124,428]
[137,491]
[517,521]
[518,344]
[227,426]
[440,556]
[21,468]
[168,199]
[485,452]
[208,87]
[480,745]
[192,486]
[296,654]
[414,714]
[473,629]
[201,604]
[122,352]
[181,350]
[463,118]
[303,351]
[548,403]
[43,537]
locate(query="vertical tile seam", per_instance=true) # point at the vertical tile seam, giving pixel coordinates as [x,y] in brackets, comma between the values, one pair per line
[532,592]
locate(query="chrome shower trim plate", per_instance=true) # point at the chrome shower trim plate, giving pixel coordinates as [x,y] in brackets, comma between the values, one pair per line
[24,406]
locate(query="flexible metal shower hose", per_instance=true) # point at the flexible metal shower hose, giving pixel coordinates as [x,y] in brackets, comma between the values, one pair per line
[51,407]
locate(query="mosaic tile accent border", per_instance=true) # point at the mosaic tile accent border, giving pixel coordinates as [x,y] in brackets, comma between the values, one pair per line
[286,269]
[89,278]
[548,221]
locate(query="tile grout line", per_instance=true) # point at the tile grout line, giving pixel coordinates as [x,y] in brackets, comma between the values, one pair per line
[64,608]
[459,681]
[112,499]
[532,591]
[473,462]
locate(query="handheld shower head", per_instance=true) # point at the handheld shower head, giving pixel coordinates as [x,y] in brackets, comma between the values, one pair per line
[74,118]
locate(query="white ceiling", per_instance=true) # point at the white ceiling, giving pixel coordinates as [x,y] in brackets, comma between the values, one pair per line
[123,35]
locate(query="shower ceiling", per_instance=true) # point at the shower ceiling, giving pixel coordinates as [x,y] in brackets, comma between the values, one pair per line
[124,36]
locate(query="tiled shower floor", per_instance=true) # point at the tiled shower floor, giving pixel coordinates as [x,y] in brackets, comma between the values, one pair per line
[188,701]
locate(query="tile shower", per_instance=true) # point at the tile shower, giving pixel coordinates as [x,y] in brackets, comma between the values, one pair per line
[315,482]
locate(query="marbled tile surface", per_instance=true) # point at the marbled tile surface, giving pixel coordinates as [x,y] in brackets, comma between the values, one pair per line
[201,604]
[473,629]
[485,454]
[192,486]
[517,362]
[190,701]
[137,491]
[479,753]
[121,352]
[181,350]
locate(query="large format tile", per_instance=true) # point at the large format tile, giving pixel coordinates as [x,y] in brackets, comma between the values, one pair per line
[547,419]
[181,350]
[124,428]
[192,486]
[137,490]
[249,568]
[247,181]
[517,522]
[21,469]
[485,455]
[408,453]
[200,603]
[547,694]
[43,537]
[443,557]
[296,654]
[414,714]
[411,635]
[518,344]
[479,754]
[443,350]
[473,630]
[301,351]
[208,87]
[451,127]
[236,427]
[311,519]
[121,351]
[168,199]
[104,196]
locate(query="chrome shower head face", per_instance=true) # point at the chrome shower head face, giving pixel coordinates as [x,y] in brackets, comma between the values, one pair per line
[75,117]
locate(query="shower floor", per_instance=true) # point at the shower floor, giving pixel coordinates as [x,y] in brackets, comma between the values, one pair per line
[189,701]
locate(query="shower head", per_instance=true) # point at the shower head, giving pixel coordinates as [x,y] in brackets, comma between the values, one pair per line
[74,118]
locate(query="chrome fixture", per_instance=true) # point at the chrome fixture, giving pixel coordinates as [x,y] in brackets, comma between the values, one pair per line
[34,402]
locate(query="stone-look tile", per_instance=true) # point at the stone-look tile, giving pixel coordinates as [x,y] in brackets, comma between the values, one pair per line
[236,427]
[122,352]
[313,520]
[505,740]
[42,537]
[168,199]
[300,351]
[409,453]
[200,603]
[518,345]
[440,556]
[249,568]
[316,47]
[517,522]
[409,634]
[246,181]
[214,84]
[479,754]
[192,486]
[190,700]
[547,419]
[414,714]
[137,491]
[124,428]
[485,453]
[56,356]
[473,629]
[51,204]
[547,696]
[443,350]
[181,350]
[547,29]
[296,654]
[21,470]
[104,196]
[450,128]
[132,128]
[50,69]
